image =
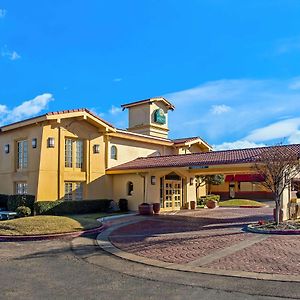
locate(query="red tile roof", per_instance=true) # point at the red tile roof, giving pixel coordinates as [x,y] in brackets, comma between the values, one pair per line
[201,159]
[79,110]
[58,113]
[185,140]
[149,100]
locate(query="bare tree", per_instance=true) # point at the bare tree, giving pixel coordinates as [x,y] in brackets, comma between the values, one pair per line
[208,180]
[278,165]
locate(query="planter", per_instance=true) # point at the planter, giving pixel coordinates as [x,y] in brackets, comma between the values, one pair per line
[193,204]
[146,209]
[211,204]
[156,208]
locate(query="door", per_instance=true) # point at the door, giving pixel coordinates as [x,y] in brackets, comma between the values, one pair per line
[172,194]
[231,190]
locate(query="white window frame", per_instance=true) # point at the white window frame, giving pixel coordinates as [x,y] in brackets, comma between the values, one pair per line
[22,154]
[113,152]
[79,153]
[68,153]
[21,188]
[73,190]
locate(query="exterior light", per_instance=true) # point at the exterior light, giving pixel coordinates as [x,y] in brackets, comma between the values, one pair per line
[51,142]
[6,148]
[153,180]
[34,143]
[97,148]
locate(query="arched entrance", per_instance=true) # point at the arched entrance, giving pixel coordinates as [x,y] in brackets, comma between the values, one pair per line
[171,192]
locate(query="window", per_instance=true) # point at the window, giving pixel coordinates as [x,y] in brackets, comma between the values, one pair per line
[22,158]
[78,191]
[73,191]
[21,188]
[113,152]
[79,153]
[68,153]
[129,188]
[68,191]
[73,150]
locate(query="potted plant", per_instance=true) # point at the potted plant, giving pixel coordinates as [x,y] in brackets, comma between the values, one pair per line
[156,208]
[146,209]
[211,204]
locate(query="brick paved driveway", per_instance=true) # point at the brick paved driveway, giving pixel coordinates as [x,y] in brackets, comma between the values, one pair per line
[212,239]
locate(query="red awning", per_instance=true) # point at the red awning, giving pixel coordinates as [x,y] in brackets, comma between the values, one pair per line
[244,178]
[229,178]
[249,178]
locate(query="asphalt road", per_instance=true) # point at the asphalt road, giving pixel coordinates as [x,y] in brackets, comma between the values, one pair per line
[77,269]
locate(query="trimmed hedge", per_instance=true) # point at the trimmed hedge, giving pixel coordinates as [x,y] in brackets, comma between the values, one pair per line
[23,211]
[62,207]
[14,201]
[202,200]
[3,201]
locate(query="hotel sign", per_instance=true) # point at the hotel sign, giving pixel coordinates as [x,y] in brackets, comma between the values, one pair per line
[159,116]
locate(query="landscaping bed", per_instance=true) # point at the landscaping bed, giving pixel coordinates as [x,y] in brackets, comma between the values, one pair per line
[270,227]
[241,203]
[43,225]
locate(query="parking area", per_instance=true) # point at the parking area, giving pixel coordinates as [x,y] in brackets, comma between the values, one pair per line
[214,239]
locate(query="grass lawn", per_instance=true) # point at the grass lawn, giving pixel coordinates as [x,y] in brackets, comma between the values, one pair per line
[240,202]
[50,224]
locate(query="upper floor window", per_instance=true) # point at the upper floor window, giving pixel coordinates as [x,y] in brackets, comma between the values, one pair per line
[79,153]
[21,188]
[73,150]
[22,158]
[113,152]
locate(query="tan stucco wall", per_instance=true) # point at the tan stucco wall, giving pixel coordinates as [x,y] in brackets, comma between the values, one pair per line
[152,193]
[129,150]
[53,173]
[9,174]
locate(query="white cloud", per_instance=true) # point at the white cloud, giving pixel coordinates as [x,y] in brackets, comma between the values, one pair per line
[220,109]
[12,55]
[278,130]
[254,104]
[115,110]
[3,109]
[117,79]
[27,109]
[242,144]
[2,13]
[295,84]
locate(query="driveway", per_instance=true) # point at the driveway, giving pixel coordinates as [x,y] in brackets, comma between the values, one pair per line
[214,240]
[79,269]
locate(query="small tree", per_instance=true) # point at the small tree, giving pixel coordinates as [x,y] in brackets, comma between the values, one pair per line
[208,180]
[278,166]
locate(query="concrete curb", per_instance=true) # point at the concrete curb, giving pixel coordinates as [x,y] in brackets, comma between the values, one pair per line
[104,243]
[19,238]
[251,228]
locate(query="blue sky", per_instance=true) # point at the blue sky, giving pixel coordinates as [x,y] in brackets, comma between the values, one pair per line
[232,68]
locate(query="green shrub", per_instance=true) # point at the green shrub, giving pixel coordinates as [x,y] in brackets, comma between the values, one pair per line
[123,205]
[62,207]
[3,201]
[15,201]
[23,211]
[202,200]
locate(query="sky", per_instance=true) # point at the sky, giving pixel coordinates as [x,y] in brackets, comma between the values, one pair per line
[230,67]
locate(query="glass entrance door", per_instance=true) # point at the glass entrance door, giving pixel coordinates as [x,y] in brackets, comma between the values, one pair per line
[172,194]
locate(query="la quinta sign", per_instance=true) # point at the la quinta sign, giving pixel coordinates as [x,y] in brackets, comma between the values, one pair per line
[159,116]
